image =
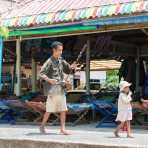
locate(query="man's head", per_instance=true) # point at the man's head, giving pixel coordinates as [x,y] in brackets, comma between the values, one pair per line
[57,48]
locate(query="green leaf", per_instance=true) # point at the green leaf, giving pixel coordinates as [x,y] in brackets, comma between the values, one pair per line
[112,78]
[4,32]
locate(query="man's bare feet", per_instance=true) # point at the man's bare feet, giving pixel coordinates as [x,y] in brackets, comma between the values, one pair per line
[116,134]
[64,132]
[42,130]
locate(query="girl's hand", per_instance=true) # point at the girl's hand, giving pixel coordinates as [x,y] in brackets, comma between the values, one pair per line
[130,93]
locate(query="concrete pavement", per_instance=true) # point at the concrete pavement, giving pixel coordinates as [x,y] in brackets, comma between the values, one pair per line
[81,136]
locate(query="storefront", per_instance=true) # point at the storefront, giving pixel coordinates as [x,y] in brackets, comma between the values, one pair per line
[107,24]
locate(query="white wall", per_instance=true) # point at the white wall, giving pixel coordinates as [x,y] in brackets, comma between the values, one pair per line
[97,75]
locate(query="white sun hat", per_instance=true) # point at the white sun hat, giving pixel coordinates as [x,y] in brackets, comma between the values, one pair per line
[124,84]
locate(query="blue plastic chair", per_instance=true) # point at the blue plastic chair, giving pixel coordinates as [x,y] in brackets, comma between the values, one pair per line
[6,114]
[106,109]
[108,112]
[80,110]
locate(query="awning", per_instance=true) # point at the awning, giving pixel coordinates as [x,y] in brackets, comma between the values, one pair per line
[118,20]
[49,31]
[83,26]
[68,13]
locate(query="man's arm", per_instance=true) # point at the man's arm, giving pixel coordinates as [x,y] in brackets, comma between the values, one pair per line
[67,68]
[45,71]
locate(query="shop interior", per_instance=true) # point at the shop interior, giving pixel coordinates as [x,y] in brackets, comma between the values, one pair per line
[127,47]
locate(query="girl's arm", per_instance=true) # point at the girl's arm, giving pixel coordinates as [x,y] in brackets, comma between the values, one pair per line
[126,98]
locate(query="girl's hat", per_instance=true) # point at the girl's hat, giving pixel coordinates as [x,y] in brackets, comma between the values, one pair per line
[124,84]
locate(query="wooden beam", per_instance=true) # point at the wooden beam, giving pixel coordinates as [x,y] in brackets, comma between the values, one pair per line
[88,67]
[34,75]
[18,67]
[100,30]
[137,70]
[1,61]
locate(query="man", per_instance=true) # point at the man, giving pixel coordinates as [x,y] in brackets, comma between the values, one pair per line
[53,73]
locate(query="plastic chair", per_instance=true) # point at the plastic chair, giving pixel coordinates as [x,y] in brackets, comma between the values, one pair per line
[106,109]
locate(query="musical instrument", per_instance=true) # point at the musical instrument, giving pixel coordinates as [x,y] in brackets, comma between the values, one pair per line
[68,85]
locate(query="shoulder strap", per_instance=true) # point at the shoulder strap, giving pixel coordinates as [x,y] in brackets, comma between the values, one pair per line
[60,68]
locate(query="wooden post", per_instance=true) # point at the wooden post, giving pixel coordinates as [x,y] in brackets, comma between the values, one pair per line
[34,75]
[88,68]
[137,70]
[18,67]
[1,60]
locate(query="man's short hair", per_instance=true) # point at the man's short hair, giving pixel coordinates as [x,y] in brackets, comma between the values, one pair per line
[55,44]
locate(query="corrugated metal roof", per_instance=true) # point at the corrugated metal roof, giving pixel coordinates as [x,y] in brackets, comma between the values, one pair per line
[5,6]
[104,65]
[56,11]
[46,6]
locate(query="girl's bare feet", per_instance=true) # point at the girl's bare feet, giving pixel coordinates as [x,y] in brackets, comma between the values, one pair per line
[42,130]
[64,132]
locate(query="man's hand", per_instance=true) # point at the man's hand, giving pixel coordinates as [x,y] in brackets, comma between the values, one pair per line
[68,85]
[74,65]
[53,81]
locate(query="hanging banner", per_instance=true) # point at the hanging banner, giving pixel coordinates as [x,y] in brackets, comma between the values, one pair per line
[1,61]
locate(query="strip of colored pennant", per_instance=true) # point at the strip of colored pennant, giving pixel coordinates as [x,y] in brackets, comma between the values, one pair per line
[76,15]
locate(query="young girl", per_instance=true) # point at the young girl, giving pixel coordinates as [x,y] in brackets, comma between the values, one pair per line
[124,115]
